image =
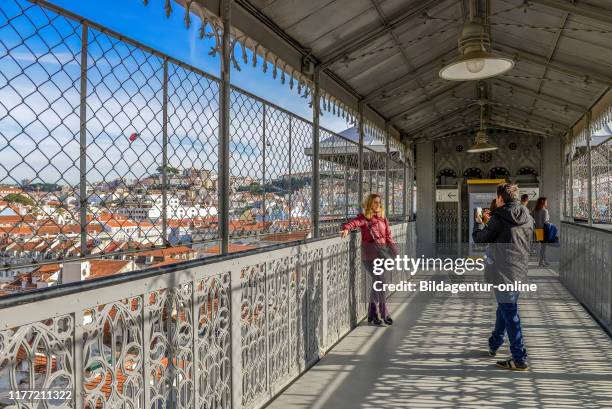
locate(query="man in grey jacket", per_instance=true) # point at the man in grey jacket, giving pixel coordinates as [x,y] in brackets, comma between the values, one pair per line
[509,230]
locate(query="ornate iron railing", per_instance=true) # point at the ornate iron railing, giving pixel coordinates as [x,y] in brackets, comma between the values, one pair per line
[216,333]
[586,268]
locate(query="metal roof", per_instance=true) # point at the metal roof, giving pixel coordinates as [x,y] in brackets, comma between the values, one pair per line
[389,52]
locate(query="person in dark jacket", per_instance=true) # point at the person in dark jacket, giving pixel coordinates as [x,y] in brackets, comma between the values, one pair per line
[510,230]
[375,233]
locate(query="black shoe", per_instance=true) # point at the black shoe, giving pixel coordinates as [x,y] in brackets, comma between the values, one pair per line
[512,365]
[388,321]
[374,320]
[492,353]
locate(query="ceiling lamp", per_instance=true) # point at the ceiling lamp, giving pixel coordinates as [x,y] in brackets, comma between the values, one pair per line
[475,61]
[481,142]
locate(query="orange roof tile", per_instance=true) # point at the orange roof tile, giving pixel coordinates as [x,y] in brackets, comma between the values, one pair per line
[104,267]
[233,248]
[166,252]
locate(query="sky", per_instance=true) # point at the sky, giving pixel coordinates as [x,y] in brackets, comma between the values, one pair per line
[150,26]
[39,97]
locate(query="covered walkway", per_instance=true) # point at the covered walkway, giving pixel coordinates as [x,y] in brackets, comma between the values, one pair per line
[434,356]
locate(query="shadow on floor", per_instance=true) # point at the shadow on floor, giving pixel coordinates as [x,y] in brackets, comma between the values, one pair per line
[434,356]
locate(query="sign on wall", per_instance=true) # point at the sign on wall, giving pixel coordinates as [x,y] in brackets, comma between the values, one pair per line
[533,192]
[447,195]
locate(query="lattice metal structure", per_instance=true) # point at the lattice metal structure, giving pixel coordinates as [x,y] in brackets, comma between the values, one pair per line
[601,179]
[586,262]
[110,150]
[580,181]
[222,334]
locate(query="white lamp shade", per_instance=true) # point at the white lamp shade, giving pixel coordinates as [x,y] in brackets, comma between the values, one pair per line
[481,147]
[475,66]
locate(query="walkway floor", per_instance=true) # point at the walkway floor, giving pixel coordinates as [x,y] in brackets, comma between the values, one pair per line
[434,356]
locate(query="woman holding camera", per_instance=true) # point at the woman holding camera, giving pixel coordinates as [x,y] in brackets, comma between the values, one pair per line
[376,242]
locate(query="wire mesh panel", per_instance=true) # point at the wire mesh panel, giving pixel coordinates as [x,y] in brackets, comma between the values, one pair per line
[246,165]
[301,174]
[601,177]
[567,195]
[333,173]
[192,151]
[124,144]
[352,160]
[580,183]
[278,151]
[396,187]
[109,150]
[40,54]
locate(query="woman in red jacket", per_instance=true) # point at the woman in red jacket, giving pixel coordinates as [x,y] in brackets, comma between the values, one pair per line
[375,234]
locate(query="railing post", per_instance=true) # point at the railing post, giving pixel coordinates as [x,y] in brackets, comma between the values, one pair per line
[360,157]
[459,218]
[589,169]
[224,128]
[346,179]
[315,152]
[571,175]
[290,183]
[165,155]
[387,162]
[82,144]
[79,360]
[263,168]
[405,184]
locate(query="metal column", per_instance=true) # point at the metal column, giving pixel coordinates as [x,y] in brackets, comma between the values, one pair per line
[571,175]
[405,184]
[315,152]
[263,167]
[589,169]
[459,218]
[83,145]
[290,182]
[224,128]
[387,162]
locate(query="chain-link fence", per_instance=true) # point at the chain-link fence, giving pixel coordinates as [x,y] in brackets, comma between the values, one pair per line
[110,150]
[580,181]
[589,165]
[601,176]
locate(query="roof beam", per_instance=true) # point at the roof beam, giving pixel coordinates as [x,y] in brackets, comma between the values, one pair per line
[401,49]
[523,116]
[538,95]
[425,104]
[365,38]
[583,10]
[401,82]
[564,68]
[439,119]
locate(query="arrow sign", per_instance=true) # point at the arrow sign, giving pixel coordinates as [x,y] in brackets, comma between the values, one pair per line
[532,192]
[446,195]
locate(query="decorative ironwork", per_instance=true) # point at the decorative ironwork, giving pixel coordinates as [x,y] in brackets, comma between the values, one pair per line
[167,342]
[38,356]
[113,354]
[213,346]
[253,323]
[171,353]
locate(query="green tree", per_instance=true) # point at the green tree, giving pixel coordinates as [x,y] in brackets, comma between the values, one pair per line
[16,198]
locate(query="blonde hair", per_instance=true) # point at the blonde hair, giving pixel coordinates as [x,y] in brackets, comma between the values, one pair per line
[367,206]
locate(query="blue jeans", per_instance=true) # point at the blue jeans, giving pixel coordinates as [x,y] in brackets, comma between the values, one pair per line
[508,321]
